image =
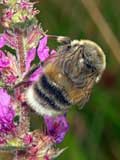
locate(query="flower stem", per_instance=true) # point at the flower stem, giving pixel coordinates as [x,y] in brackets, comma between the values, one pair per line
[24,111]
[24,122]
[20,51]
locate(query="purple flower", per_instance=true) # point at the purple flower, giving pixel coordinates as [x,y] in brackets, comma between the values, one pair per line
[10,79]
[30,57]
[26,5]
[28,139]
[53,52]
[43,50]
[7,17]
[10,40]
[2,41]
[57,127]
[4,61]
[9,13]
[36,74]
[6,112]
[43,53]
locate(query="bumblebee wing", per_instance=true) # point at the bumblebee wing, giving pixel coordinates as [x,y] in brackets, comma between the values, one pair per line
[85,98]
[87,91]
[74,58]
[84,101]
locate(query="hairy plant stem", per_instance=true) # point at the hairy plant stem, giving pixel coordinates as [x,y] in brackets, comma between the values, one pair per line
[24,111]
[24,120]
[20,49]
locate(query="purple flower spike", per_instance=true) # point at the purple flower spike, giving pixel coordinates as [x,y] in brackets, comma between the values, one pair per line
[43,50]
[2,41]
[30,57]
[6,112]
[57,127]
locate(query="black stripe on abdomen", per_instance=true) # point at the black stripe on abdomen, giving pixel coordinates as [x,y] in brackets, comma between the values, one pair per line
[41,95]
[53,90]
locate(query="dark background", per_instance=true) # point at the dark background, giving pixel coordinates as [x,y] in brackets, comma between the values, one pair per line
[94,131]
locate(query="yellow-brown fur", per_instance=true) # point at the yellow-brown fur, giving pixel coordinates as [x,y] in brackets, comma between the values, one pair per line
[75,94]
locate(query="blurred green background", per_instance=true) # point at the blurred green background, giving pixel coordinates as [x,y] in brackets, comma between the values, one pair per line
[94,131]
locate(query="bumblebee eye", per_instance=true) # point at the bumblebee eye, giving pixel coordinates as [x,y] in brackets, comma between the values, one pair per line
[90,66]
[68,47]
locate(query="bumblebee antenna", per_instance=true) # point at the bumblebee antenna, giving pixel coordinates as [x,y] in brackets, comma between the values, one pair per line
[60,39]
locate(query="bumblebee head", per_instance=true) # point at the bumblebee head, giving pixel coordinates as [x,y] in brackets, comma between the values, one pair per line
[92,56]
[82,55]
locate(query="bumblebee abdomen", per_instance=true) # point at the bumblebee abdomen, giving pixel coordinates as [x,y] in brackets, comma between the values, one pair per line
[51,89]
[47,96]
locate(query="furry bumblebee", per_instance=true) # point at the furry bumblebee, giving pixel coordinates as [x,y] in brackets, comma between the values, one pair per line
[68,77]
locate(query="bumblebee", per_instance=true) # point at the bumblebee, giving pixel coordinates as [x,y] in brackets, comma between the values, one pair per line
[68,77]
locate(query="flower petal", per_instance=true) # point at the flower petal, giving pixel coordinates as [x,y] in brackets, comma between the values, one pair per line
[2,41]
[30,57]
[44,54]
[4,98]
[6,112]
[43,50]
[57,127]
[36,74]
[4,61]
[53,52]
[10,40]
[42,44]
